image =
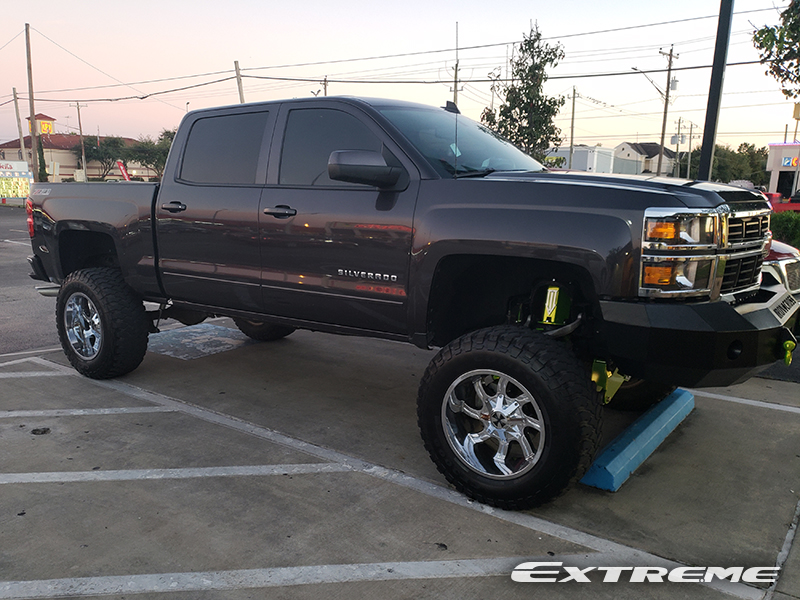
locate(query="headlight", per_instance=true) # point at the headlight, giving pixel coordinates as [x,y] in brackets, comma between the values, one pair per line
[681,231]
[678,274]
[679,252]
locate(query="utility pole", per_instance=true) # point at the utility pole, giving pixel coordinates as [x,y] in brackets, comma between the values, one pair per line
[78,105]
[325,86]
[239,81]
[715,90]
[677,170]
[455,75]
[572,129]
[34,133]
[22,153]
[797,166]
[689,155]
[666,107]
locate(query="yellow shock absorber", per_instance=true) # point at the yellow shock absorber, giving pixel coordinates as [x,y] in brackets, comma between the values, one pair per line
[606,381]
[551,305]
[788,348]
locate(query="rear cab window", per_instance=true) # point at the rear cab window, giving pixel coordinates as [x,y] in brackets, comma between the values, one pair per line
[224,150]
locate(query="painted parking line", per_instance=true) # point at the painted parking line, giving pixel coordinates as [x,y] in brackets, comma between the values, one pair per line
[257,578]
[182,473]
[29,374]
[81,412]
[327,574]
[757,403]
[621,554]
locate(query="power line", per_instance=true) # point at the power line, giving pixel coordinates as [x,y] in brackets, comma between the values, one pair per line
[96,68]
[11,40]
[377,57]
[498,44]
[144,96]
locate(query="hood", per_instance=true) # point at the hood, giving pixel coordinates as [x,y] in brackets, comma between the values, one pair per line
[693,194]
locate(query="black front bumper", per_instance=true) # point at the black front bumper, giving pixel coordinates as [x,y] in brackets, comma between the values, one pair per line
[696,345]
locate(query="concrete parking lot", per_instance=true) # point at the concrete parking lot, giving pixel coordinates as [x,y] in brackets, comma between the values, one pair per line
[296,466]
[227,469]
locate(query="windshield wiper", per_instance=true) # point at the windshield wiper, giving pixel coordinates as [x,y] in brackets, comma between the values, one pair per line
[475,173]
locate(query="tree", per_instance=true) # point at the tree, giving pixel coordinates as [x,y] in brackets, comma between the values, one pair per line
[756,163]
[526,115]
[107,152]
[153,153]
[42,165]
[746,163]
[779,47]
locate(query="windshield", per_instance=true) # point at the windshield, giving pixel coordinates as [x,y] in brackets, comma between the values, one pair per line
[468,149]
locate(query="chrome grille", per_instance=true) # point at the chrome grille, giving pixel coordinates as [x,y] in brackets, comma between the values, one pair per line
[747,229]
[793,276]
[741,273]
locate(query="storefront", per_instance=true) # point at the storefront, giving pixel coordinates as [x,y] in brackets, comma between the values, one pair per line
[15,182]
[783,165]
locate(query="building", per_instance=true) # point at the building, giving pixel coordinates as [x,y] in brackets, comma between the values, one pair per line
[782,163]
[593,159]
[636,158]
[60,160]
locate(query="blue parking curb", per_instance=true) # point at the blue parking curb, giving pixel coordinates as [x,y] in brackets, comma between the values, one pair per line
[632,447]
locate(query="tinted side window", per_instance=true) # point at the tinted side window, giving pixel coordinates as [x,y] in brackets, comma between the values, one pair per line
[311,135]
[224,149]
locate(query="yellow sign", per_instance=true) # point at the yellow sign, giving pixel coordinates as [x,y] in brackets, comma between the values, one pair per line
[43,127]
[14,187]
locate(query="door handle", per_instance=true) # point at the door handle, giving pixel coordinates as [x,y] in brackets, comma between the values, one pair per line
[280,212]
[174,207]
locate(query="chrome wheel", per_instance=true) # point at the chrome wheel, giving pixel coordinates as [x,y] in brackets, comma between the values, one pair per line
[83,326]
[493,424]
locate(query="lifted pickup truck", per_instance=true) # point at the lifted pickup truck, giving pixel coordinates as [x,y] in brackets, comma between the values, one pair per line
[545,292]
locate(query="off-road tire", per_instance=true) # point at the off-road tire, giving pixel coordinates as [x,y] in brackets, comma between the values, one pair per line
[639,395]
[563,399]
[116,340]
[263,332]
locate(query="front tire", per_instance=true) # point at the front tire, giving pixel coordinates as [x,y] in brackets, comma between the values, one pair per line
[509,416]
[101,323]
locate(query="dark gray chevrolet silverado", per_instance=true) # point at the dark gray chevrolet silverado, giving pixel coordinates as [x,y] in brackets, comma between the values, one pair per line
[546,292]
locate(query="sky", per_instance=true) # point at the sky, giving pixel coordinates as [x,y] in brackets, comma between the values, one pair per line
[107,55]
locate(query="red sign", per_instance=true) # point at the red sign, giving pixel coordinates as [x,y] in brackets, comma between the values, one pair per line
[123,170]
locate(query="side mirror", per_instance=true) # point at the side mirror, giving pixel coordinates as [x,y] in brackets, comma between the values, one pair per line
[362,166]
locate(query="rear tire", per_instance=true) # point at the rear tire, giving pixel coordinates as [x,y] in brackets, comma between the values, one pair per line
[101,323]
[263,332]
[509,416]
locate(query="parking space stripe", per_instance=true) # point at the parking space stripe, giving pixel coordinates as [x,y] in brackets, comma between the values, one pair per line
[315,575]
[26,353]
[757,403]
[81,412]
[24,374]
[181,473]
